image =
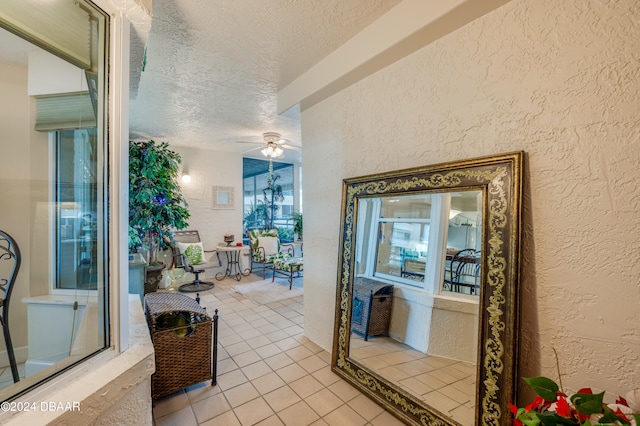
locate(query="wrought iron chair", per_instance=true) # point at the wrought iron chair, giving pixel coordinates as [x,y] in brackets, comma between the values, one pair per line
[464,271]
[10,253]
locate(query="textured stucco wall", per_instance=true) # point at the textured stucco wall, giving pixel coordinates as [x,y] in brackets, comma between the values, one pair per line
[207,169]
[411,315]
[559,80]
[454,327]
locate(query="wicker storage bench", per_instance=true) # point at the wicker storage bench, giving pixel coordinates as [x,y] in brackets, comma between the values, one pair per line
[372,301]
[182,334]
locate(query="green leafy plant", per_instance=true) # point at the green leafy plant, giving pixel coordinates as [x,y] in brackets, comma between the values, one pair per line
[285,234]
[584,408]
[156,204]
[272,193]
[297,223]
[256,216]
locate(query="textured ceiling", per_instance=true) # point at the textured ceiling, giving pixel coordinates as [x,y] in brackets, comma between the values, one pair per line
[213,67]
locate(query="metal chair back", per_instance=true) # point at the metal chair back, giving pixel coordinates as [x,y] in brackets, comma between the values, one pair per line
[10,260]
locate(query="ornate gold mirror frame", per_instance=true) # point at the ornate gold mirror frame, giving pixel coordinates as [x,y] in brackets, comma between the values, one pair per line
[500,180]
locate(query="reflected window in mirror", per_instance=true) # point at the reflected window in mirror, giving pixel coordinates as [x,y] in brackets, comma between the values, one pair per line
[428,241]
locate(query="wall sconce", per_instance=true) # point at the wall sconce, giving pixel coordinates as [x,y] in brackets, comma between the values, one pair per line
[186,177]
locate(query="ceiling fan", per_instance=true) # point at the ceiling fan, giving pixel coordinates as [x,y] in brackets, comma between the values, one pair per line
[273,145]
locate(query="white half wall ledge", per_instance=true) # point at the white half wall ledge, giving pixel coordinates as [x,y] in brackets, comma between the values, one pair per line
[403,30]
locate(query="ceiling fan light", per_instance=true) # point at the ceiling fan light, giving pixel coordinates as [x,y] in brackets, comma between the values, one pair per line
[272,151]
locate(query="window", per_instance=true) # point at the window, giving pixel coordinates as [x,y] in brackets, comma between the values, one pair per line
[268,205]
[402,226]
[76,228]
[53,185]
[413,240]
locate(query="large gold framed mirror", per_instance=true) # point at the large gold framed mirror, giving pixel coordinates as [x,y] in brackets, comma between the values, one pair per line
[427,296]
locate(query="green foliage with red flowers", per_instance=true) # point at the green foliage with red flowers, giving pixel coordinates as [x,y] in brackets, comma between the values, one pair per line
[584,408]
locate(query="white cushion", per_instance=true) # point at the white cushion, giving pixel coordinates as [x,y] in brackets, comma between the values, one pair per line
[270,245]
[194,252]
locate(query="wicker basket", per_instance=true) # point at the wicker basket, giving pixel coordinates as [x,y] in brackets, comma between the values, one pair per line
[182,353]
[372,302]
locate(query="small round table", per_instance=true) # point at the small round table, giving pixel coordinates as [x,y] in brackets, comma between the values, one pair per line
[233,262]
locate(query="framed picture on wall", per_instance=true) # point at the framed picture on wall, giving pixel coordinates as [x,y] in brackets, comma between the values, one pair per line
[222,197]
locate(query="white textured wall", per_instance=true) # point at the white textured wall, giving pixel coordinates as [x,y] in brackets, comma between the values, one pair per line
[207,169]
[559,80]
[454,327]
[411,316]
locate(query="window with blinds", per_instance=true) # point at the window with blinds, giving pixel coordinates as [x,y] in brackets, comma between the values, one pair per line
[54,185]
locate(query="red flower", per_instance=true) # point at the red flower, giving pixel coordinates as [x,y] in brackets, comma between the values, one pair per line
[622,401]
[514,411]
[562,408]
[537,402]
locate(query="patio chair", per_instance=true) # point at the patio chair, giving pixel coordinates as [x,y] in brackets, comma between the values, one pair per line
[265,248]
[190,255]
[290,268]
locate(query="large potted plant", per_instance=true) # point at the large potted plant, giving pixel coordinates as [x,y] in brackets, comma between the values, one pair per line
[156,204]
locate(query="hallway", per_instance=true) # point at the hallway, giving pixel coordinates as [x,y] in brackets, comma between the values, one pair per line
[268,372]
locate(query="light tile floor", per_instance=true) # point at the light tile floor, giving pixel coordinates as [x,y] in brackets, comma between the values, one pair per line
[448,385]
[269,373]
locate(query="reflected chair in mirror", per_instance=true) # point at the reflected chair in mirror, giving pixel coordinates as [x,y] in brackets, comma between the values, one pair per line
[190,255]
[464,272]
[266,247]
[9,266]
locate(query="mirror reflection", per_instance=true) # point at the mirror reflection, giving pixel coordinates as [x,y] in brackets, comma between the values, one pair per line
[415,295]
[426,310]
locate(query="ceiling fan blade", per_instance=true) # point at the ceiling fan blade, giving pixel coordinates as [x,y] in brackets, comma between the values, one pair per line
[288,146]
[254,143]
[252,149]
